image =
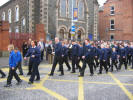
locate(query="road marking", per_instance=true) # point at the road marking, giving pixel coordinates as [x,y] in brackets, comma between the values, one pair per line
[130,96]
[81,89]
[39,86]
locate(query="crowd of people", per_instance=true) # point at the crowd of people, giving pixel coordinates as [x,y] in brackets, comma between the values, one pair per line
[95,54]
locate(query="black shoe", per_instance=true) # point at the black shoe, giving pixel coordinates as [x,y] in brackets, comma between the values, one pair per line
[3,76]
[21,74]
[19,82]
[28,73]
[81,76]
[99,73]
[91,74]
[50,74]
[37,79]
[30,82]
[73,72]
[8,85]
[61,74]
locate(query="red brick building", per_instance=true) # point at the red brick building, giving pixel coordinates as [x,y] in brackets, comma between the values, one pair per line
[116,20]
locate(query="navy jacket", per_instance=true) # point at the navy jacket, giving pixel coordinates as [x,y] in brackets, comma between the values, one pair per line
[114,56]
[81,52]
[18,56]
[103,54]
[122,52]
[75,50]
[88,52]
[34,51]
[64,51]
[58,49]
[108,52]
[12,59]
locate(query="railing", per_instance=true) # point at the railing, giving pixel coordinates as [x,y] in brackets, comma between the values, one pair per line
[17,39]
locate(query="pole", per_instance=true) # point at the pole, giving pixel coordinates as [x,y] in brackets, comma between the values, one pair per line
[72,23]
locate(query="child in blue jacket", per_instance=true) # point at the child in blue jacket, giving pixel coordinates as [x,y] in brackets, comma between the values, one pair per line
[12,66]
[19,60]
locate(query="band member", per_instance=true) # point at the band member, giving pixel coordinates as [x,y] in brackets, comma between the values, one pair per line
[35,56]
[122,55]
[65,55]
[57,58]
[114,59]
[87,59]
[75,50]
[12,66]
[103,59]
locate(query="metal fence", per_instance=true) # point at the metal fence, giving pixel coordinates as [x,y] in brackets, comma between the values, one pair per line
[17,39]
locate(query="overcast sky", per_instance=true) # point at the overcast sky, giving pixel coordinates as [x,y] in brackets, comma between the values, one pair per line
[4,1]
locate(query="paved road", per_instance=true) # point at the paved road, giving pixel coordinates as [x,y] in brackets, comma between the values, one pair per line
[111,86]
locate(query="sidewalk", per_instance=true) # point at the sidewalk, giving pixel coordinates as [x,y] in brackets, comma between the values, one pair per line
[4,61]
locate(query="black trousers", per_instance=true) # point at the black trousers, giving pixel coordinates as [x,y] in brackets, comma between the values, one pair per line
[103,64]
[123,61]
[35,72]
[74,62]
[90,65]
[11,74]
[96,61]
[65,60]
[113,63]
[19,67]
[57,59]
[132,62]
[129,59]
[2,73]
[30,66]
[78,66]
[108,63]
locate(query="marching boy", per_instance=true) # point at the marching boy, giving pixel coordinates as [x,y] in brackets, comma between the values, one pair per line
[12,67]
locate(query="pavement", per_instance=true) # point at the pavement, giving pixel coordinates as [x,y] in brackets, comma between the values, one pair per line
[111,86]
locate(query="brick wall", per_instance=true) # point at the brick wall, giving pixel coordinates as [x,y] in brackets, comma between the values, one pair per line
[123,20]
[17,38]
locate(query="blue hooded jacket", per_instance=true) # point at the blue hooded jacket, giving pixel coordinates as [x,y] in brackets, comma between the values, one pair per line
[12,59]
[18,56]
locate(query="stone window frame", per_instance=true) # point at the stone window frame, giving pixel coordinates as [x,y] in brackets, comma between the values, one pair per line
[23,24]
[10,16]
[3,16]
[112,10]
[16,29]
[112,25]
[17,16]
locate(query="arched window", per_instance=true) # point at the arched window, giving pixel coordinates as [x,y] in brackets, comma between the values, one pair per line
[23,22]
[81,9]
[23,25]
[63,8]
[70,7]
[3,16]
[17,13]
[9,16]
